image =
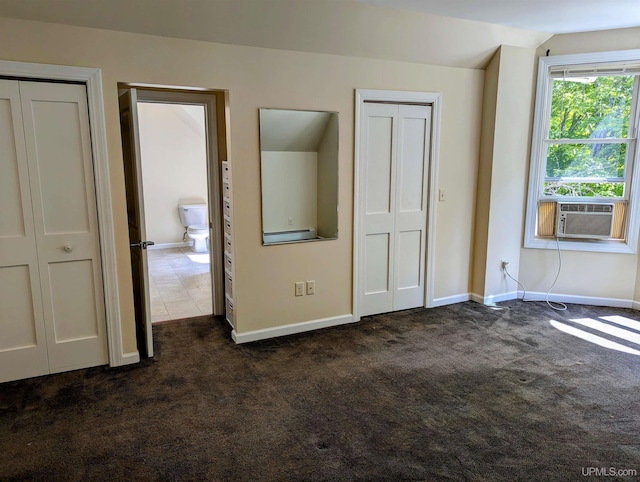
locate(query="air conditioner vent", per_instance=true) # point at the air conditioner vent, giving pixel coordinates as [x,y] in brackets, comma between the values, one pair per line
[584,220]
[586,208]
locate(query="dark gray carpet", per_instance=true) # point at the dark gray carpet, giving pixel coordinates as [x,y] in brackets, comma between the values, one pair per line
[463,392]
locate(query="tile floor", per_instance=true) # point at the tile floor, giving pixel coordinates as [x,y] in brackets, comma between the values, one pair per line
[179,284]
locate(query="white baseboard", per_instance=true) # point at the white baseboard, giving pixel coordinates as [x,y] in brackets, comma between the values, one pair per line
[290,329]
[540,296]
[169,245]
[492,299]
[450,300]
[581,300]
[130,358]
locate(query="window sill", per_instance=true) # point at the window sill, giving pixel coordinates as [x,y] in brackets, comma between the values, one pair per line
[606,246]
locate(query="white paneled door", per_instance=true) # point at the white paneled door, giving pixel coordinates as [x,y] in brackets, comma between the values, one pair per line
[395,146]
[51,295]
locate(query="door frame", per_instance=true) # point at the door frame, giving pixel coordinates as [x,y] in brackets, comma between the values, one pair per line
[209,99]
[92,79]
[214,177]
[433,99]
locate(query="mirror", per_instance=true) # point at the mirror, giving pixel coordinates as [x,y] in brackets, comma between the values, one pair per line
[299,175]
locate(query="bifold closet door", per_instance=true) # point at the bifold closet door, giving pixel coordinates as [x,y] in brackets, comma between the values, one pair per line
[23,350]
[58,144]
[395,142]
[51,296]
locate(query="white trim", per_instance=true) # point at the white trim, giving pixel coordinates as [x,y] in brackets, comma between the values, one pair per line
[493,299]
[182,244]
[130,358]
[435,100]
[285,330]
[539,296]
[578,300]
[450,300]
[545,65]
[93,80]
[476,298]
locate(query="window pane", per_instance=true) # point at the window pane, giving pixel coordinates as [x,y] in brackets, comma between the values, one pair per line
[584,189]
[586,160]
[591,107]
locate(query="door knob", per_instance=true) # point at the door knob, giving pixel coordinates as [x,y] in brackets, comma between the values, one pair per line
[142,244]
[68,248]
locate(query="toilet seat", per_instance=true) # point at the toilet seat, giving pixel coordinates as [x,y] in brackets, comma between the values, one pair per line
[198,229]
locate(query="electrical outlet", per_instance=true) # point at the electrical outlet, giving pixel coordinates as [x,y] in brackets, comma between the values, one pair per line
[290,221]
[503,264]
[299,288]
[311,287]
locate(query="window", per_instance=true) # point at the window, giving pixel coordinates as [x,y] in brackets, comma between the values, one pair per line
[584,146]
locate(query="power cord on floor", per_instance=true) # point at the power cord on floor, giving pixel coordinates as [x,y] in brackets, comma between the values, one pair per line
[559,306]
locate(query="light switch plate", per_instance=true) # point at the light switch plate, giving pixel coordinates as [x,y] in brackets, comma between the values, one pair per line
[299,288]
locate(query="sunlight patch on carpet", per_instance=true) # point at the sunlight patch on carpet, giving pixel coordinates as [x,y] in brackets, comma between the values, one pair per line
[599,340]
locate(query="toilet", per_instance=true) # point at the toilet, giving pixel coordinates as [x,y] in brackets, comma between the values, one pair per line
[194,218]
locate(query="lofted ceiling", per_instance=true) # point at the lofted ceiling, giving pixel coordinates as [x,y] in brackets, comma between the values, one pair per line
[454,33]
[552,16]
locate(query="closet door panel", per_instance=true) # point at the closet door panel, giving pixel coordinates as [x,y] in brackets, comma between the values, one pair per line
[414,128]
[411,175]
[377,239]
[23,351]
[62,173]
[58,145]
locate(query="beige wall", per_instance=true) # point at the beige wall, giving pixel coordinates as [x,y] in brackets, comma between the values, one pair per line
[256,77]
[483,190]
[174,165]
[328,181]
[512,130]
[504,160]
[601,275]
[588,42]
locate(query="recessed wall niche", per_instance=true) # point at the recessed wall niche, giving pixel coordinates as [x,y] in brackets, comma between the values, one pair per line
[299,175]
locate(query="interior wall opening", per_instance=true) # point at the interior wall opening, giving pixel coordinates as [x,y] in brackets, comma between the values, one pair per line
[172,151]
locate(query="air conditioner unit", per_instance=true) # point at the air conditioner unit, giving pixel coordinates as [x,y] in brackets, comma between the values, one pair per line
[584,220]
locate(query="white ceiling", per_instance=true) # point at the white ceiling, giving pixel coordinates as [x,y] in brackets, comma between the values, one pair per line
[553,16]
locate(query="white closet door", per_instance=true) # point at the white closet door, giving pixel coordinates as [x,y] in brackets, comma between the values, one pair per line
[414,129]
[393,205]
[377,238]
[23,350]
[56,126]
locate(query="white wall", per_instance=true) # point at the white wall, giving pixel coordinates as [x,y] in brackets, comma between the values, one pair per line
[174,165]
[289,190]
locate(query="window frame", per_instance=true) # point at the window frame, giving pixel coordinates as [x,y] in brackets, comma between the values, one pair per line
[546,65]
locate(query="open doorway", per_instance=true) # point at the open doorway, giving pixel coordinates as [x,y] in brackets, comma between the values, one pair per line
[172,176]
[173,153]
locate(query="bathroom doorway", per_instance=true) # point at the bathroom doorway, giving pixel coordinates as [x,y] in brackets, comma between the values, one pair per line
[172,171]
[173,153]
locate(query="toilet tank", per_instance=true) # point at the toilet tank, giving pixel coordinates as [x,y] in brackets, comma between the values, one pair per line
[191,214]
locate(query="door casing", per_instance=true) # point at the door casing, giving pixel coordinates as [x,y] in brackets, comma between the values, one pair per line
[397,97]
